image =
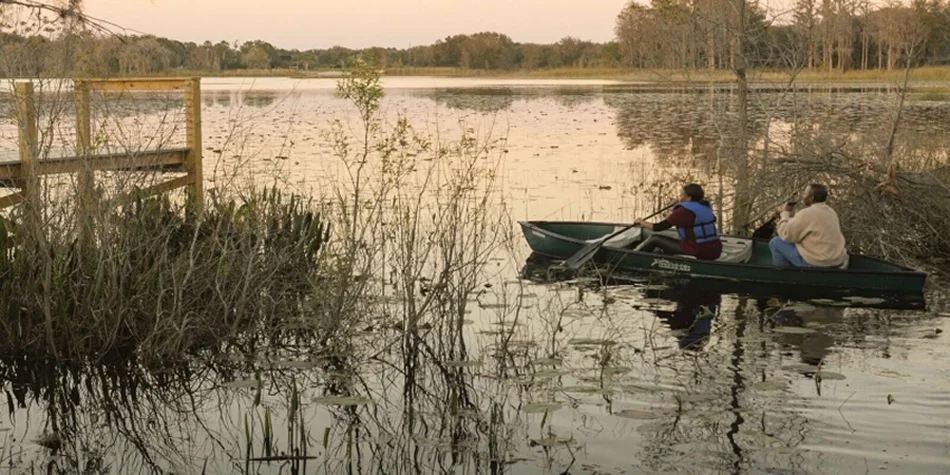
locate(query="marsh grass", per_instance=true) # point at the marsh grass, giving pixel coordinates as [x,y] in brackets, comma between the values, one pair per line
[400,237]
[158,278]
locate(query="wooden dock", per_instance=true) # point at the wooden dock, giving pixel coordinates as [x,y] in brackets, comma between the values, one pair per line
[22,174]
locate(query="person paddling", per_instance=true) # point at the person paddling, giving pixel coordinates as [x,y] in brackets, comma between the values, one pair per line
[695,223]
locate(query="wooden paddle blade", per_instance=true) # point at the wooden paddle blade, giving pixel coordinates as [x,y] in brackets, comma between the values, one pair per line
[585,254]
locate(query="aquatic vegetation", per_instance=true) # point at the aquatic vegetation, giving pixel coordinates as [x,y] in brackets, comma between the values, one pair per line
[158,279]
[541,407]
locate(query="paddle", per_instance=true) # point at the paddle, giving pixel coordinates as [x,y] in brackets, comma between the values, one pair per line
[587,252]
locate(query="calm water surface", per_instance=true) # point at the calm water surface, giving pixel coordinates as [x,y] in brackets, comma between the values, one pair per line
[546,376]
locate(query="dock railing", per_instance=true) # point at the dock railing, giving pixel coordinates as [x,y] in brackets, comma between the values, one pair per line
[23,174]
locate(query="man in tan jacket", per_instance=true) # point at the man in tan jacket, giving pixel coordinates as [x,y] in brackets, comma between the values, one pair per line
[810,238]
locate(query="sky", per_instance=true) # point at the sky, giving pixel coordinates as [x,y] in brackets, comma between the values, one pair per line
[306,24]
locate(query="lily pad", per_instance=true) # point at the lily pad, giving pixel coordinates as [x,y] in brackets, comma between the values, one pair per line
[591,342]
[342,400]
[295,364]
[507,324]
[589,390]
[550,373]
[799,307]
[865,300]
[521,379]
[800,368]
[522,344]
[787,450]
[651,387]
[540,407]
[587,349]
[462,364]
[427,442]
[547,361]
[493,332]
[651,428]
[242,384]
[698,397]
[552,441]
[794,330]
[769,386]
[636,414]
[892,374]
[829,376]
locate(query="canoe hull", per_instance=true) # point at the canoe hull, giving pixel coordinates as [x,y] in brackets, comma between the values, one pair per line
[560,240]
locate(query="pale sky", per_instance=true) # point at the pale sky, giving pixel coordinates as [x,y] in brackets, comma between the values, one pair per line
[308,24]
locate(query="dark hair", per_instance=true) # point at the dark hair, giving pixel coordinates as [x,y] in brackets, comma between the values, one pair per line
[696,194]
[818,192]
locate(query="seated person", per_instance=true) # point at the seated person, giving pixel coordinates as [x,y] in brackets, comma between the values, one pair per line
[810,238]
[696,224]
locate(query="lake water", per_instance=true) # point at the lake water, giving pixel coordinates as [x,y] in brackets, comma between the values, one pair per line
[549,376]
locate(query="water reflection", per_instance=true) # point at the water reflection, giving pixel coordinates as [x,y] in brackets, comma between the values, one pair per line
[799,322]
[259,98]
[696,124]
[476,100]
[738,406]
[247,98]
[693,317]
[565,375]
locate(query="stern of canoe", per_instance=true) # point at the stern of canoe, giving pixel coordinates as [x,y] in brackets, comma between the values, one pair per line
[561,240]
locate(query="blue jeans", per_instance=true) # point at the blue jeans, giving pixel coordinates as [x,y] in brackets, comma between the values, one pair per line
[785,253]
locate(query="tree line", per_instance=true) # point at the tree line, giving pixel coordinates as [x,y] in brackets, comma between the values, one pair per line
[126,55]
[668,34]
[831,35]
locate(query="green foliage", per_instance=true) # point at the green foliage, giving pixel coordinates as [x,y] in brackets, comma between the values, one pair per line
[159,278]
[362,87]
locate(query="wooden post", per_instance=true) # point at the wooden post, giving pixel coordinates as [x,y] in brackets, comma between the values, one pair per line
[193,131]
[83,119]
[85,178]
[28,136]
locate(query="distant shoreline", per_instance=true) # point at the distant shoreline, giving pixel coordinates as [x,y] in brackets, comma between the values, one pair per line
[930,74]
[928,83]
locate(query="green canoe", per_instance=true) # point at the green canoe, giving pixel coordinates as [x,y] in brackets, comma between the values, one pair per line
[743,259]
